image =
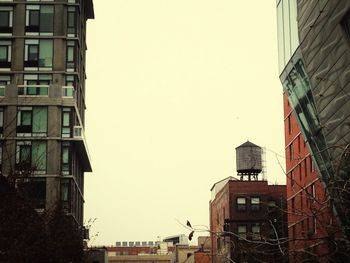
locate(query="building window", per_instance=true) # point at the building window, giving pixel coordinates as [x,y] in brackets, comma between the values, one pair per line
[242,231]
[31,157]
[38,54]
[32,121]
[241,204]
[312,167]
[289,119]
[65,194]
[39,19]
[34,189]
[69,89]
[255,203]
[35,85]
[5,54]
[71,56]
[271,203]
[292,205]
[291,157]
[71,21]
[313,225]
[4,81]
[66,122]
[301,201]
[1,121]
[6,17]
[292,178]
[256,232]
[66,158]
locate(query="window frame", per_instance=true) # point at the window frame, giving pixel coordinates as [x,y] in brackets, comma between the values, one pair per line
[256,235]
[7,29]
[26,165]
[5,64]
[37,27]
[240,207]
[36,64]
[24,130]
[256,206]
[66,146]
[242,235]
[66,111]
[4,81]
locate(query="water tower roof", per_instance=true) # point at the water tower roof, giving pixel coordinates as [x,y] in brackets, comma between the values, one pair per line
[248,144]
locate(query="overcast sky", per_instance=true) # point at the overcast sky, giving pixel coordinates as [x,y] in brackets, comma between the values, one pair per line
[173,86]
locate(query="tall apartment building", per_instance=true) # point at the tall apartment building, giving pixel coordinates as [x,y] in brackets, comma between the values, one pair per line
[247,215]
[314,61]
[42,100]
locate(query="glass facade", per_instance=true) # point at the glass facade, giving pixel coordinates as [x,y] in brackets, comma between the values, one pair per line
[297,86]
[287,30]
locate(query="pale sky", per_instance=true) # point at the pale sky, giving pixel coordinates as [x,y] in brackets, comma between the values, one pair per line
[173,87]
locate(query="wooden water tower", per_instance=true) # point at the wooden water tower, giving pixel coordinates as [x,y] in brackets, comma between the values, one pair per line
[249,161]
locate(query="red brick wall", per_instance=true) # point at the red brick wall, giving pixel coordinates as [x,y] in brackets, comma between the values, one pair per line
[202,257]
[224,207]
[309,214]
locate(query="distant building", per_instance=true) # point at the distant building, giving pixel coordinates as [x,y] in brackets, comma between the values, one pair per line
[245,213]
[140,259]
[177,239]
[131,250]
[200,253]
[96,255]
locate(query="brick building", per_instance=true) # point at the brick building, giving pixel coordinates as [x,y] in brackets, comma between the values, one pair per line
[241,213]
[310,217]
[247,217]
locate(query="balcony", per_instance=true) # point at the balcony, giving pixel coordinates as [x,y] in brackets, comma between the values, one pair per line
[81,146]
[33,90]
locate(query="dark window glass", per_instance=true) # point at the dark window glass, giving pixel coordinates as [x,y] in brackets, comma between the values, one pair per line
[4,18]
[40,18]
[255,203]
[65,194]
[24,154]
[25,125]
[33,52]
[3,53]
[241,203]
[66,122]
[46,19]
[34,18]
[289,124]
[32,120]
[66,158]
[35,190]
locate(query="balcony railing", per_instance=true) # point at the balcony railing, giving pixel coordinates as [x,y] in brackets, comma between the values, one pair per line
[33,90]
[81,146]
